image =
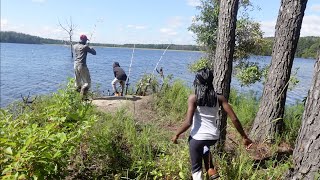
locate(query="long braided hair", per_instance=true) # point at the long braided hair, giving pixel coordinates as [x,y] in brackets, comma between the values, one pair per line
[204,90]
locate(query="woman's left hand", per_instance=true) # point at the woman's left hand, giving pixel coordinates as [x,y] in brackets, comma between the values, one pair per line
[247,142]
[174,139]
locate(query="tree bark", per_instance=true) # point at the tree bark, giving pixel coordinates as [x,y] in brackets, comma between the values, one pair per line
[306,155]
[222,67]
[269,119]
[71,45]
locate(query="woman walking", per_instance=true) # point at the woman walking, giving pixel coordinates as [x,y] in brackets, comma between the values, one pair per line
[203,117]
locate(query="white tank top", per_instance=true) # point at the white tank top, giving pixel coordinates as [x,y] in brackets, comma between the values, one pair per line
[206,123]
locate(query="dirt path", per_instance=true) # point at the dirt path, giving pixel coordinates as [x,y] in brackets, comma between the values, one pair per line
[138,106]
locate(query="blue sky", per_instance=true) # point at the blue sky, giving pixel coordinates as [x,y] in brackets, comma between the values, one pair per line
[131,21]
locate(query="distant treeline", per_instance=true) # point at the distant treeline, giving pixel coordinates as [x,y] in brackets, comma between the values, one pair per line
[152,46]
[15,37]
[307,46]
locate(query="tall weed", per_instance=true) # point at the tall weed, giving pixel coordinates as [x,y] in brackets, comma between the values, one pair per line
[171,101]
[245,106]
[241,166]
[292,120]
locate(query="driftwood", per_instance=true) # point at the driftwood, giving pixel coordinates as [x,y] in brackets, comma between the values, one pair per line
[27,102]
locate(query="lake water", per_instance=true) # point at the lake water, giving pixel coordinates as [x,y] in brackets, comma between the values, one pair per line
[42,69]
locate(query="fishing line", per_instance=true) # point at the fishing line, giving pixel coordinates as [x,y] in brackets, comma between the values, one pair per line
[128,78]
[152,75]
[155,68]
[134,46]
[94,28]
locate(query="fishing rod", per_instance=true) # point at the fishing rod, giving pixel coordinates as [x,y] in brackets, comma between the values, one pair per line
[94,29]
[155,68]
[128,78]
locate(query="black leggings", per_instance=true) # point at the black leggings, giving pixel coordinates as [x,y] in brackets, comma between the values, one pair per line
[196,154]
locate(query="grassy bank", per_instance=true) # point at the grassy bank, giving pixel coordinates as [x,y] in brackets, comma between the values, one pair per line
[61,137]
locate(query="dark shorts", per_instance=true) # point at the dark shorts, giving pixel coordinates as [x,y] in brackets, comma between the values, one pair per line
[197,153]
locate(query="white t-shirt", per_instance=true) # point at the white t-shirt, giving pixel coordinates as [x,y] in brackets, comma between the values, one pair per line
[206,123]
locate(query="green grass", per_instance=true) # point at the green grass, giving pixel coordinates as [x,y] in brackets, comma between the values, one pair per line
[118,147]
[292,120]
[60,136]
[245,106]
[171,102]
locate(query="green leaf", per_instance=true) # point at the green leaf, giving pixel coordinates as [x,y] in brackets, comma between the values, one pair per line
[8,150]
[58,153]
[22,176]
[62,137]
[181,175]
[7,170]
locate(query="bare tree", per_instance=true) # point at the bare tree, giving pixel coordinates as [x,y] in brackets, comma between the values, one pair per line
[306,155]
[69,27]
[224,53]
[269,119]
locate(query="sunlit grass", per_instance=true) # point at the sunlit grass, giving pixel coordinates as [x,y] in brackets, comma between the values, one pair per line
[100,145]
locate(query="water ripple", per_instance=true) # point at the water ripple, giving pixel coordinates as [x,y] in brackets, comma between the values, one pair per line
[41,69]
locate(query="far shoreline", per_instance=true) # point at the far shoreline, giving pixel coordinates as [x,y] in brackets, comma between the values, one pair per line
[310,58]
[103,46]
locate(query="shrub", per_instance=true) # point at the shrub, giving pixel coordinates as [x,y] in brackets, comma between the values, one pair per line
[37,142]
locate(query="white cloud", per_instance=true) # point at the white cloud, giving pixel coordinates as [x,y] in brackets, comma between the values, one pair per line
[185,40]
[310,26]
[192,18]
[38,1]
[168,31]
[136,26]
[175,22]
[4,23]
[315,8]
[44,31]
[193,3]
[51,32]
[191,33]
[268,28]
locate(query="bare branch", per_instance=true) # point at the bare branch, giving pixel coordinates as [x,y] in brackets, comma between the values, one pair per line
[62,26]
[69,28]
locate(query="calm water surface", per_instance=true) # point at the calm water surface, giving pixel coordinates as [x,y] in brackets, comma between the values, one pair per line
[42,69]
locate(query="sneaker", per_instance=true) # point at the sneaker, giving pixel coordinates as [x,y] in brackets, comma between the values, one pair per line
[213,174]
[84,91]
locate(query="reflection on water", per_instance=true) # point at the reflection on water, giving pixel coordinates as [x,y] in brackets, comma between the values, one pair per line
[42,69]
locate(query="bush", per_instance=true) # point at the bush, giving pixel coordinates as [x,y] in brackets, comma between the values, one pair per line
[38,141]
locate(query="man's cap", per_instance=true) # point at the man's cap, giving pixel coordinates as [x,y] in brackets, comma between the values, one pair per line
[83,38]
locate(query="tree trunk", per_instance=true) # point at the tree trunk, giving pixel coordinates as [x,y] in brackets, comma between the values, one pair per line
[71,45]
[306,155]
[269,119]
[222,67]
